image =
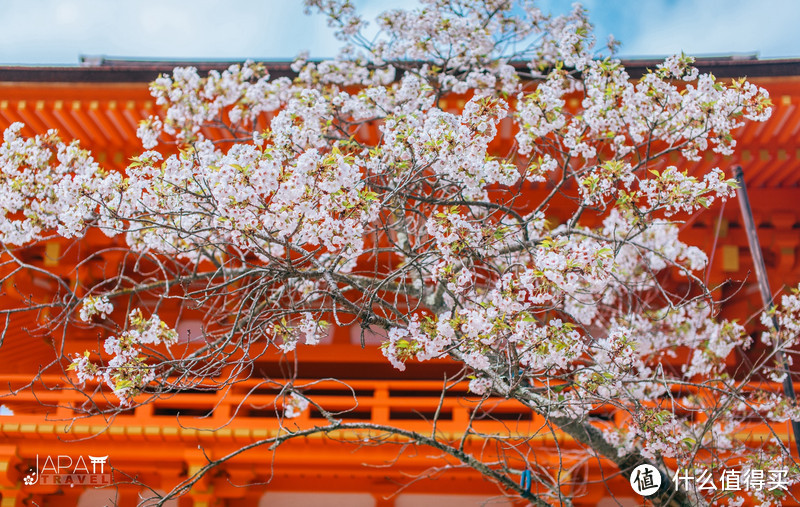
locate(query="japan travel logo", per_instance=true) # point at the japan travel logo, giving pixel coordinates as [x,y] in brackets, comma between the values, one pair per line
[64,470]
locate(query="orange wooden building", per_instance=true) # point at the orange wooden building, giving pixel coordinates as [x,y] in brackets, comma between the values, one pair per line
[100,103]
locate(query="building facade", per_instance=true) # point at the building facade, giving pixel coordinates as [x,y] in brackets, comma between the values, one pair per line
[163,443]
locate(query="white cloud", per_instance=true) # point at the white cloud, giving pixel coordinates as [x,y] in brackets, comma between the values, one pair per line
[767,27]
[53,32]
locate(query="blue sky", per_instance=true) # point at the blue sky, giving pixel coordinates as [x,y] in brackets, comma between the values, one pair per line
[58,31]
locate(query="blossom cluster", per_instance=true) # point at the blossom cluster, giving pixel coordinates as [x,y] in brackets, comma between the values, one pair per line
[48,186]
[93,306]
[127,372]
[783,330]
[295,405]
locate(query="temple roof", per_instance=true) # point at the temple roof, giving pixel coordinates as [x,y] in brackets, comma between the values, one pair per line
[101,69]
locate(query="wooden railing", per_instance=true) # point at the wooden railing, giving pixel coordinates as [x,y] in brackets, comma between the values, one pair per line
[409,404]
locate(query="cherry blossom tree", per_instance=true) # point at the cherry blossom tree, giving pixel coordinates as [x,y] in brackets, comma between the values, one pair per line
[428,235]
